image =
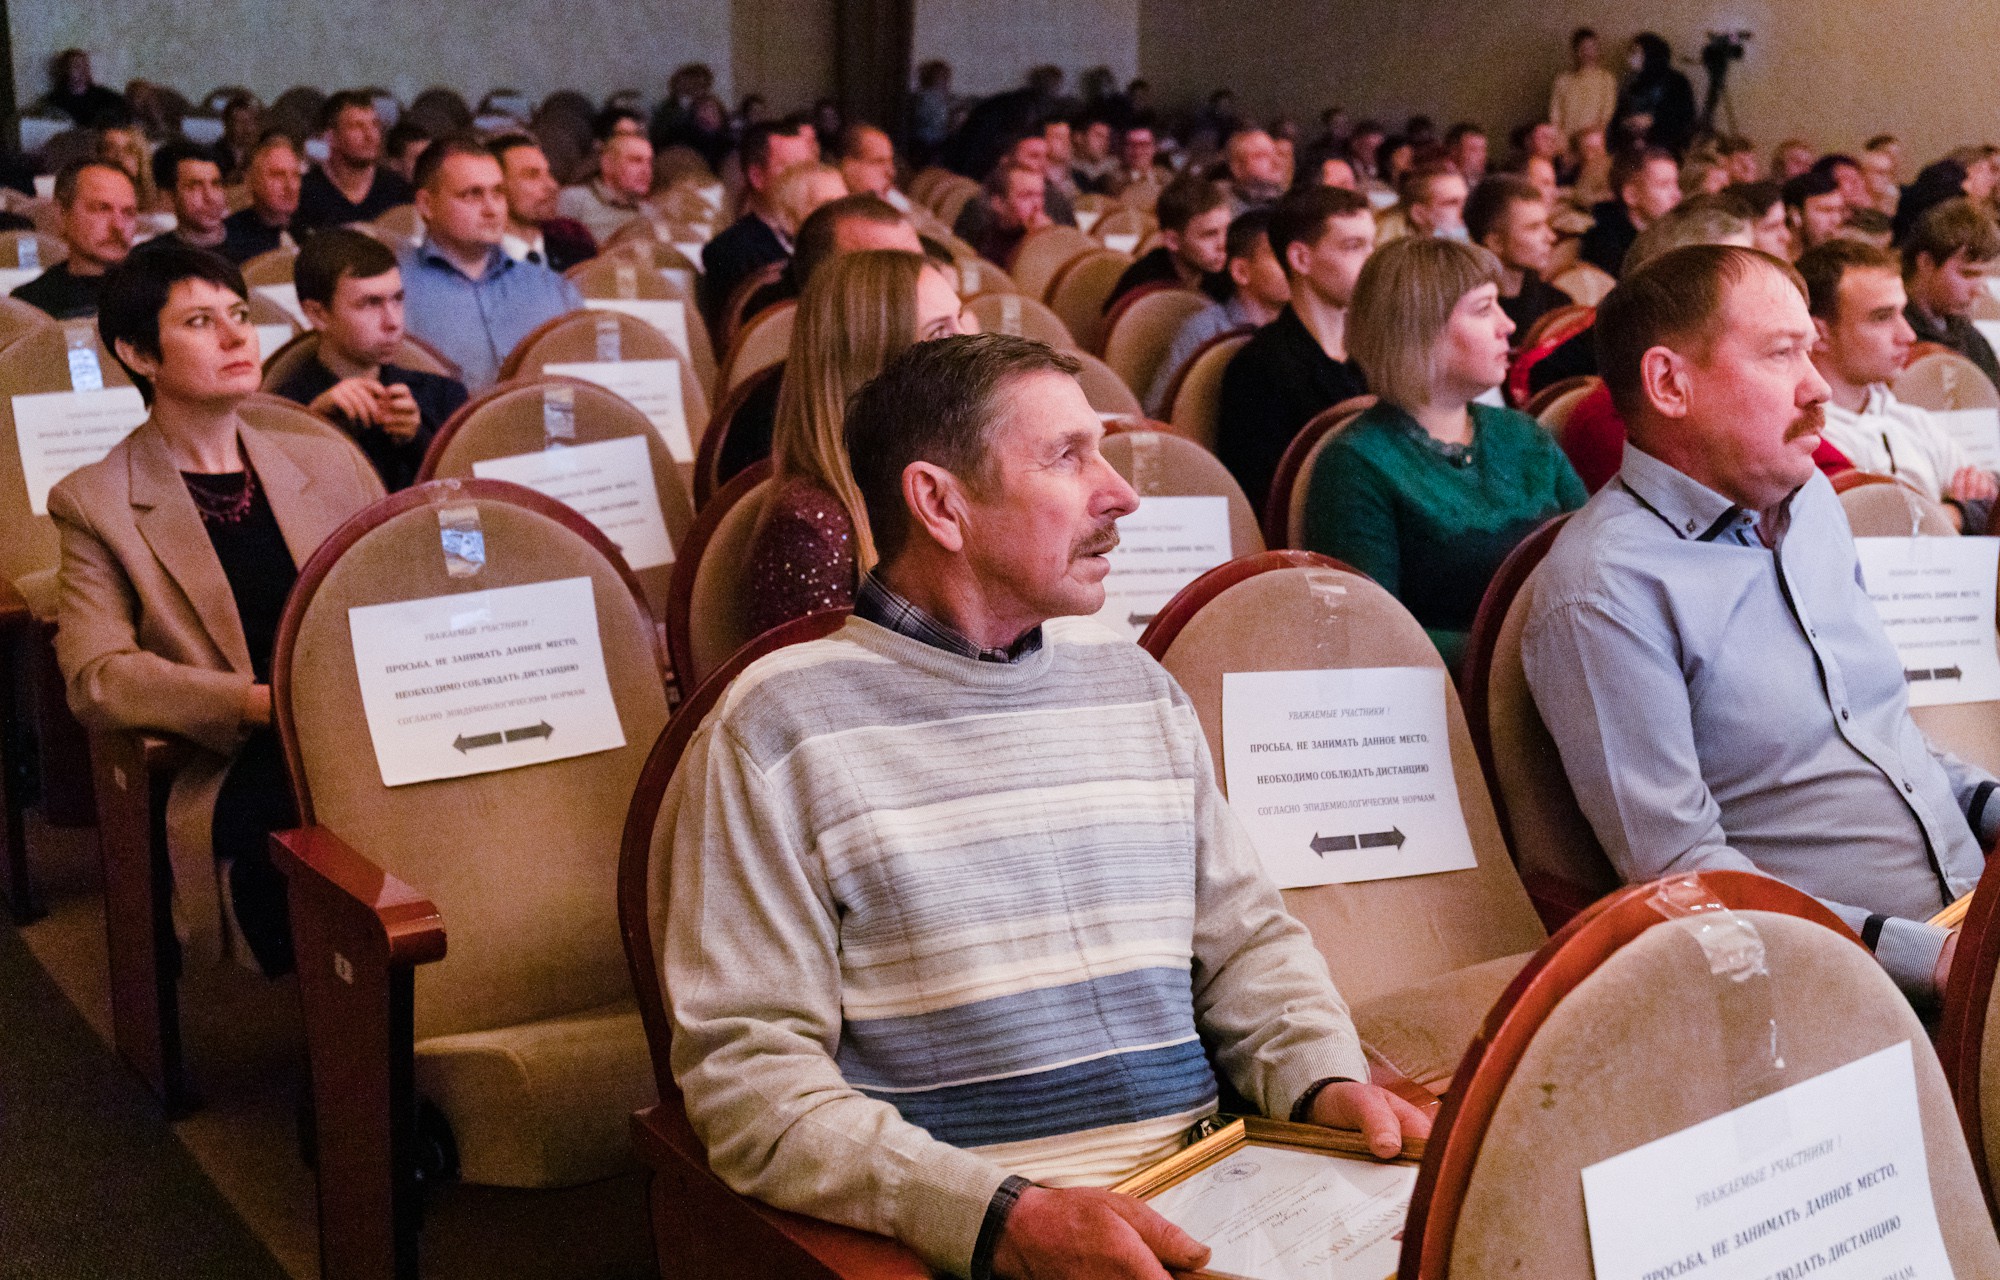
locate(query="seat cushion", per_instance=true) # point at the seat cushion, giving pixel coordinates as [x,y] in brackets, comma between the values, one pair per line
[1423,1030]
[543,1104]
[39,591]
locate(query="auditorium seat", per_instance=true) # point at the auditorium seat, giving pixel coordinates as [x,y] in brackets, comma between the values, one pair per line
[1159,464]
[1550,332]
[1105,390]
[411,353]
[1418,958]
[1621,1031]
[578,337]
[977,276]
[764,340]
[1140,331]
[48,251]
[270,268]
[1968,1035]
[706,610]
[1078,294]
[1551,405]
[521,1033]
[631,277]
[1942,380]
[1194,402]
[708,477]
[1285,505]
[1044,252]
[700,1226]
[736,307]
[401,224]
[18,318]
[1585,283]
[1561,863]
[511,418]
[1021,317]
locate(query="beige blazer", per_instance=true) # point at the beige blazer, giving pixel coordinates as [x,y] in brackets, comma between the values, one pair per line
[148,637]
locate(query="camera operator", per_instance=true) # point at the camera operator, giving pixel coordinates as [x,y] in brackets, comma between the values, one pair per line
[1656,106]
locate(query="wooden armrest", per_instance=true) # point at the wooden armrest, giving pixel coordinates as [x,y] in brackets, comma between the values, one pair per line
[1380,1073]
[701,1223]
[382,909]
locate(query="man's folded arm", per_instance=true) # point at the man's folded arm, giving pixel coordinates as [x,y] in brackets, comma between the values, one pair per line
[754,988]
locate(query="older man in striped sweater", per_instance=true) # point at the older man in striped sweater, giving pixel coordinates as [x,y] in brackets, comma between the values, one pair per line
[955,902]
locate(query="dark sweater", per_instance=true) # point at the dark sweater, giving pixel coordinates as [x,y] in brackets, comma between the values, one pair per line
[1432,522]
[1276,384]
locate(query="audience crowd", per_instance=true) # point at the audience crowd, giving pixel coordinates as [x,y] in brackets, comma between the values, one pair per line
[1406,301]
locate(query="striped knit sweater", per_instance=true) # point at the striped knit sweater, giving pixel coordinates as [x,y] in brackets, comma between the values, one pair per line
[932,921]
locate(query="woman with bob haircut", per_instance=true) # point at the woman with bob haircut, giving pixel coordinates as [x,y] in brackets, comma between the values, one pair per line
[1428,491]
[860,311]
[178,550]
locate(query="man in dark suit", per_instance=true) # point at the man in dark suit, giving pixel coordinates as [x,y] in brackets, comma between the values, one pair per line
[534,232]
[1297,365]
[756,239]
[350,288]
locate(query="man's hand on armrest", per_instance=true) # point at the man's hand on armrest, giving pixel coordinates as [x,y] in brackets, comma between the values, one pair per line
[1081,1233]
[1379,1115]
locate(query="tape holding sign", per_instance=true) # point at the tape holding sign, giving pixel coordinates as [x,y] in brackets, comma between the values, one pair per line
[1344,775]
[483,682]
[668,315]
[1935,597]
[1827,1178]
[652,386]
[1164,545]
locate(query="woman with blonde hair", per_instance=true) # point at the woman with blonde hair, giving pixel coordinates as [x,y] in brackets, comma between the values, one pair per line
[1429,490]
[859,311]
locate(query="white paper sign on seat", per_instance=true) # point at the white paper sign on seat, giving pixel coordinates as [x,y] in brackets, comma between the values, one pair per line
[1827,1178]
[1935,599]
[61,431]
[668,315]
[483,682]
[1344,775]
[652,386]
[1977,431]
[609,483]
[1164,545]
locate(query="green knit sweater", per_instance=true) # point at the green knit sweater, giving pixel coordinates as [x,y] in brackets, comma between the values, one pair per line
[1432,522]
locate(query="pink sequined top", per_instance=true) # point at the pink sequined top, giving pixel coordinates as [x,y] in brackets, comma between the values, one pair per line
[801,557]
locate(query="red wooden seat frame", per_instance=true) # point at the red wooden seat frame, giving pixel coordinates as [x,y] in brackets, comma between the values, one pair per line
[1962,1024]
[345,906]
[708,457]
[1166,625]
[678,624]
[1278,502]
[1568,958]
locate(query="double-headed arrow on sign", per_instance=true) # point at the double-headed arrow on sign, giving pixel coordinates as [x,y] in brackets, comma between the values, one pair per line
[1933,673]
[468,742]
[1393,837]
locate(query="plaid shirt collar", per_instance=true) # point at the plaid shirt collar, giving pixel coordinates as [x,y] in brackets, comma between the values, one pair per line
[885,608]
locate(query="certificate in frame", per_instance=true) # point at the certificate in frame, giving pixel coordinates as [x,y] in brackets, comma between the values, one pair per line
[1233,1139]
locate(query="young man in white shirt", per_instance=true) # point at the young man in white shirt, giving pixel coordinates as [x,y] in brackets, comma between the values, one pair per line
[1862,339]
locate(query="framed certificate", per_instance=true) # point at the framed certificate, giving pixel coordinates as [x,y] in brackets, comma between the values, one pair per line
[1279,1201]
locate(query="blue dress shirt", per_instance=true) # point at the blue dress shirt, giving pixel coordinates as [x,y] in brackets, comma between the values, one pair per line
[1719,703]
[475,323]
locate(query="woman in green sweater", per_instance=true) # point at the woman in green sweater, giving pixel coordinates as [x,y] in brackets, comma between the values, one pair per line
[1427,492]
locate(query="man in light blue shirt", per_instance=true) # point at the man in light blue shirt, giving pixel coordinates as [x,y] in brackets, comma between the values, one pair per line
[1702,649]
[1258,292]
[462,293]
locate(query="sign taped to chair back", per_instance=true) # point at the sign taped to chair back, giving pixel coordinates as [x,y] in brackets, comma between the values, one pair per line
[1935,599]
[485,681]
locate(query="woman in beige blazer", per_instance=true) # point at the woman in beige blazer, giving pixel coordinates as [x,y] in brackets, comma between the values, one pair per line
[178,549]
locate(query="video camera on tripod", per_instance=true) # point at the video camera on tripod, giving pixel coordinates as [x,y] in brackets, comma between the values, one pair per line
[1723,48]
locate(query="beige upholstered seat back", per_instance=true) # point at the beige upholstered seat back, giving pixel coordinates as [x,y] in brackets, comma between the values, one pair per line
[508,420]
[978,276]
[572,339]
[718,618]
[1021,317]
[1381,935]
[1584,283]
[1551,835]
[280,365]
[274,267]
[402,223]
[1158,465]
[1105,390]
[1045,252]
[1295,510]
[1198,402]
[1641,1048]
[49,250]
[1943,380]
[35,364]
[522,864]
[1144,331]
[765,340]
[1969,730]
[18,319]
[1080,292]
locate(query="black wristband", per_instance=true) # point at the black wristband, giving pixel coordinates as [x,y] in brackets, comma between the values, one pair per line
[1977,809]
[994,1223]
[1302,1109]
[1871,931]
